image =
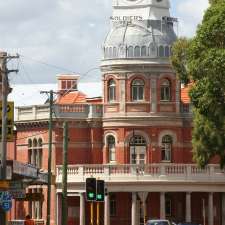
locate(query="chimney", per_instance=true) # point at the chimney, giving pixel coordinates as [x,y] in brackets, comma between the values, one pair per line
[67,82]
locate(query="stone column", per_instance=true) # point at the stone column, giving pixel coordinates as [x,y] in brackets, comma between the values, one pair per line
[223,208]
[82,209]
[188,207]
[210,209]
[162,206]
[134,209]
[107,210]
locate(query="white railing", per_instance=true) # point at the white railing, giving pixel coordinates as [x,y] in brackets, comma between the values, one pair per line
[126,172]
[21,222]
[37,112]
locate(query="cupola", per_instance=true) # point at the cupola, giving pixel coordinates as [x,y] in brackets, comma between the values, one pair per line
[67,82]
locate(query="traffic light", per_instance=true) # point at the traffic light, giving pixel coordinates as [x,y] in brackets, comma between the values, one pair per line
[90,189]
[100,191]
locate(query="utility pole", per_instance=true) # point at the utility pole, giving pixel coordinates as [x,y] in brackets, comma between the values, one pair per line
[64,174]
[49,155]
[5,91]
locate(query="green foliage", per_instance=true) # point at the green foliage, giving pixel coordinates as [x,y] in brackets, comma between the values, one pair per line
[205,66]
[179,59]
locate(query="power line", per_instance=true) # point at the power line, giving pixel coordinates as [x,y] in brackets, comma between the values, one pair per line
[61,68]
[48,64]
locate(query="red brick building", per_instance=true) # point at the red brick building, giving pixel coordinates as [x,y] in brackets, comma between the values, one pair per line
[137,137]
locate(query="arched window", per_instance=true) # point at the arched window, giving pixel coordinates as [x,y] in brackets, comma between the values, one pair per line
[106,52]
[165,90]
[161,51]
[112,90]
[137,150]
[166,148]
[114,52]
[137,89]
[111,148]
[35,152]
[137,51]
[167,51]
[110,52]
[130,51]
[143,51]
[152,50]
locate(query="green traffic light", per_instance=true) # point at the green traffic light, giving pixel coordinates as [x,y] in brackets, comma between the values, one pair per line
[91,195]
[99,197]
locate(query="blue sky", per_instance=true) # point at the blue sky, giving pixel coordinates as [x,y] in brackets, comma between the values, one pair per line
[67,34]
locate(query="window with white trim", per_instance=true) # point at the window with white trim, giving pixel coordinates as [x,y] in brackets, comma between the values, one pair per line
[35,152]
[111,148]
[137,150]
[112,90]
[137,89]
[130,51]
[166,148]
[165,90]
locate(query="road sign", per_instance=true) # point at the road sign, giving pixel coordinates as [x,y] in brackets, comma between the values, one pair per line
[6,206]
[5,200]
[18,194]
[10,119]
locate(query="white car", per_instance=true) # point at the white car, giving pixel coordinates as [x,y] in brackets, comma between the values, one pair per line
[158,222]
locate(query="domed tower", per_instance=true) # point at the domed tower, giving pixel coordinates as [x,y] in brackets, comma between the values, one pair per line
[140,87]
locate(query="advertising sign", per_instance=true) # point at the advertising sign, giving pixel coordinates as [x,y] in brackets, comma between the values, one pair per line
[10,120]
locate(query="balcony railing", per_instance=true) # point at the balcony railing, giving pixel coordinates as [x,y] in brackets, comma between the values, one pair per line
[22,222]
[151,172]
[41,112]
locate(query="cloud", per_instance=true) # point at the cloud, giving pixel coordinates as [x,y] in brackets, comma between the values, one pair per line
[190,14]
[68,34]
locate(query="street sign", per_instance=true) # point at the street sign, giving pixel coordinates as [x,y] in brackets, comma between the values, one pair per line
[6,206]
[10,119]
[18,194]
[5,200]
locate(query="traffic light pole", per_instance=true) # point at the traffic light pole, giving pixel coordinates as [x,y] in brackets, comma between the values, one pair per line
[64,174]
[98,213]
[92,213]
[5,91]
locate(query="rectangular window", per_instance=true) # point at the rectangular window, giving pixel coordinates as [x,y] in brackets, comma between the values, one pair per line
[141,93]
[63,85]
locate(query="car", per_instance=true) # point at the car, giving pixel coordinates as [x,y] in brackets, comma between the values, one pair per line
[158,222]
[187,224]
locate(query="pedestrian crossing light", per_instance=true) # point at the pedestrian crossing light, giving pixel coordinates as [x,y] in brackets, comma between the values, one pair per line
[100,195]
[90,189]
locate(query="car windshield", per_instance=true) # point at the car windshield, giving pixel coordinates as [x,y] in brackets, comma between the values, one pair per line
[158,223]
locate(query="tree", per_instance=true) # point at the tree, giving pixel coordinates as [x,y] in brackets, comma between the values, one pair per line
[205,65]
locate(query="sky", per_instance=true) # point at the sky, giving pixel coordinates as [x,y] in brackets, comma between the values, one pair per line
[65,36]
